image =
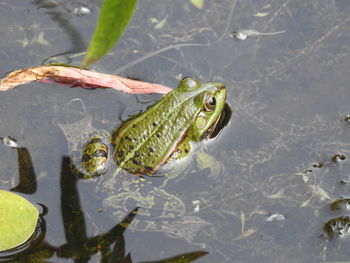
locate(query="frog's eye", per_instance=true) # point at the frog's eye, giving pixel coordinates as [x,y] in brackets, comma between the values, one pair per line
[210,103]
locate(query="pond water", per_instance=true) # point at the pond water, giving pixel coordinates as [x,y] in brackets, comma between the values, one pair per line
[264,186]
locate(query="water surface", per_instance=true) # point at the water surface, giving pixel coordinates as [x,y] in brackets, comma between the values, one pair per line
[278,156]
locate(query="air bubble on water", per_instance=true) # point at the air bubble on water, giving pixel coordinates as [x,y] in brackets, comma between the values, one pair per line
[239,35]
[347,118]
[81,11]
[10,142]
[196,205]
[275,217]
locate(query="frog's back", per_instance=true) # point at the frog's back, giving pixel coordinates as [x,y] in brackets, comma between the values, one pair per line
[145,142]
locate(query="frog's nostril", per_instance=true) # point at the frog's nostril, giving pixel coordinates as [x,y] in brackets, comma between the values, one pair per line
[219,87]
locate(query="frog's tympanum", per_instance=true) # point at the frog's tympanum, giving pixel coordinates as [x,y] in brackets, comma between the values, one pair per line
[146,141]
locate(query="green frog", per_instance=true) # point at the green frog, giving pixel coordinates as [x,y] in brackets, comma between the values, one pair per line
[192,112]
[148,140]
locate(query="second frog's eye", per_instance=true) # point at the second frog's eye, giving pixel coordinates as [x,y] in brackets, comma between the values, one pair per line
[210,103]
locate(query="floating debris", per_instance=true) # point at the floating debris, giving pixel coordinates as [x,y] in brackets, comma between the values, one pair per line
[196,205]
[341,204]
[159,24]
[197,3]
[244,34]
[344,182]
[9,141]
[78,77]
[338,226]
[239,35]
[338,157]
[275,217]
[81,11]
[318,165]
[261,14]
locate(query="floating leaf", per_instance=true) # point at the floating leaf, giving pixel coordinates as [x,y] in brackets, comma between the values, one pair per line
[261,14]
[161,24]
[18,220]
[198,3]
[113,19]
[78,77]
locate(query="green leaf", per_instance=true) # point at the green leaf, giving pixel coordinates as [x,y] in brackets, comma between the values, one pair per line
[113,19]
[18,220]
[198,3]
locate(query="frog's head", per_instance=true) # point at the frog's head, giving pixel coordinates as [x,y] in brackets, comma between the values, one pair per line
[210,100]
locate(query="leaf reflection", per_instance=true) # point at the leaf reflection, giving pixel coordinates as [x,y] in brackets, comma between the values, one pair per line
[184,258]
[79,247]
[27,179]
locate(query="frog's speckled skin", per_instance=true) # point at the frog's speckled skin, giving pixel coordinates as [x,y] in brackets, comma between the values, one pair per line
[146,141]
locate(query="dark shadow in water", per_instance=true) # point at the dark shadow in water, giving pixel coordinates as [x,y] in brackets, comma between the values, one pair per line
[223,121]
[184,258]
[79,247]
[27,179]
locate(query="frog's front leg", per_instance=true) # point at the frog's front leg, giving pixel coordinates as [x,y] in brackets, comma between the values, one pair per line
[183,150]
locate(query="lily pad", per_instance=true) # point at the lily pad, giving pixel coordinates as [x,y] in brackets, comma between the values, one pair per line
[18,220]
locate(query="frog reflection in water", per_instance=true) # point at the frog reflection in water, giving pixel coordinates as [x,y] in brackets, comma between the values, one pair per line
[146,141]
[191,112]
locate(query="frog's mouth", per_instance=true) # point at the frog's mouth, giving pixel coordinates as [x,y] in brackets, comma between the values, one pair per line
[219,124]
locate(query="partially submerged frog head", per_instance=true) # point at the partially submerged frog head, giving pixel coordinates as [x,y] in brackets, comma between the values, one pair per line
[210,101]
